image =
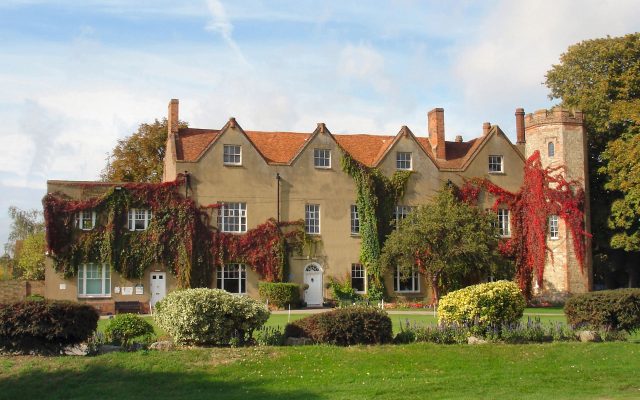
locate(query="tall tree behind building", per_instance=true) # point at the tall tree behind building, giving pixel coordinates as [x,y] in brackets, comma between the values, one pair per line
[602,78]
[139,157]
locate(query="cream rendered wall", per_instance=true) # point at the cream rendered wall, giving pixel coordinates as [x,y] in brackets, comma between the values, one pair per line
[254,183]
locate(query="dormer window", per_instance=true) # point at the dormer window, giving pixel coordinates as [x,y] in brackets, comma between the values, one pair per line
[496,164]
[139,219]
[403,161]
[232,154]
[86,220]
[322,158]
[551,149]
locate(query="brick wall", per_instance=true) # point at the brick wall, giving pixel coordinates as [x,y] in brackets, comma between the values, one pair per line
[11,291]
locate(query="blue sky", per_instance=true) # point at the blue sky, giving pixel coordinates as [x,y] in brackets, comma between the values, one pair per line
[75,76]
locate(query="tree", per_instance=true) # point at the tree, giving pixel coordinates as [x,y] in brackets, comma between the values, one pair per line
[23,224]
[448,240]
[139,157]
[31,257]
[602,78]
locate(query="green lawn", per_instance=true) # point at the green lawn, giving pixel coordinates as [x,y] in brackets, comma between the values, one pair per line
[417,371]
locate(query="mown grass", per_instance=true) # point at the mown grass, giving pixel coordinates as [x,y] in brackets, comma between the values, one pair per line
[416,371]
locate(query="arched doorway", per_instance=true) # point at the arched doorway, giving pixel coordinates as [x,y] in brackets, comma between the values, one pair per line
[313,278]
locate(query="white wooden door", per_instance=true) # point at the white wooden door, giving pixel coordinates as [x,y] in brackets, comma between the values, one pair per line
[158,287]
[313,278]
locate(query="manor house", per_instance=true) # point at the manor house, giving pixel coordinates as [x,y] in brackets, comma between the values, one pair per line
[289,176]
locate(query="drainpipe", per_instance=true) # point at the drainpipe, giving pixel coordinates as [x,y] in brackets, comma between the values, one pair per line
[278,178]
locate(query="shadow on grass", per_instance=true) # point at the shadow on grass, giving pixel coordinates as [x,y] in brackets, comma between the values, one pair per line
[115,382]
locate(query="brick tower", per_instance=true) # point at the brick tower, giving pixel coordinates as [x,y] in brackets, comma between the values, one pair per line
[560,137]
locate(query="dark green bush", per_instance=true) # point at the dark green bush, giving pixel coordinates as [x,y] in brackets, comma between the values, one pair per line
[608,309]
[280,294]
[344,326]
[45,326]
[123,328]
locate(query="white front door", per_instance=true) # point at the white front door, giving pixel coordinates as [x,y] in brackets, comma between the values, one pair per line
[313,278]
[158,287]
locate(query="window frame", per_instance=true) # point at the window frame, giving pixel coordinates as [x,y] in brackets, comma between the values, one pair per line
[355,220]
[241,277]
[358,271]
[504,228]
[319,155]
[400,161]
[493,163]
[105,278]
[307,218]
[228,158]
[554,227]
[414,277]
[226,221]
[81,217]
[132,219]
[401,212]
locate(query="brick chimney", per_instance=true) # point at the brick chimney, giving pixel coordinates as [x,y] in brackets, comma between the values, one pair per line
[435,119]
[520,126]
[172,119]
[486,127]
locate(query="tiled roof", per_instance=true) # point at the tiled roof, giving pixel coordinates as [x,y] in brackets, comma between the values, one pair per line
[278,147]
[282,147]
[364,148]
[191,142]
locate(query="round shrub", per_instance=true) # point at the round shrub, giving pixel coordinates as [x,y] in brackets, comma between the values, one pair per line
[123,328]
[607,309]
[45,326]
[209,316]
[495,303]
[279,294]
[344,327]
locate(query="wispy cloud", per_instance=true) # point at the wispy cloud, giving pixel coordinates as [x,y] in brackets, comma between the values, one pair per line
[221,24]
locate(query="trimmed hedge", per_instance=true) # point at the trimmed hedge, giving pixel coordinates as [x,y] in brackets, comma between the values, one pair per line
[608,309]
[123,328]
[280,294]
[494,303]
[344,327]
[209,316]
[45,326]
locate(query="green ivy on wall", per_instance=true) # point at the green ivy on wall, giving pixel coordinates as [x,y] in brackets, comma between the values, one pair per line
[376,198]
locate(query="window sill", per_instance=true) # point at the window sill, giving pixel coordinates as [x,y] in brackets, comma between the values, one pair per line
[496,173]
[231,165]
[94,297]
[323,168]
[313,234]
[355,235]
[407,291]
[554,239]
[505,236]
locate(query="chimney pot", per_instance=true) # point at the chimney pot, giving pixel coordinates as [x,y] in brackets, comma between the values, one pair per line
[520,126]
[458,138]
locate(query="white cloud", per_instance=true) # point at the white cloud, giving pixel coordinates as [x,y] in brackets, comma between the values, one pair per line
[221,24]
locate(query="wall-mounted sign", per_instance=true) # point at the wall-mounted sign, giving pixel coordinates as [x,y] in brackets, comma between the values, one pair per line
[127,290]
[63,286]
[116,289]
[139,289]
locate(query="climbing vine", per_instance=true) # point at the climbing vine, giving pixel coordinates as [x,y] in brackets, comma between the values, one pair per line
[544,192]
[179,235]
[376,197]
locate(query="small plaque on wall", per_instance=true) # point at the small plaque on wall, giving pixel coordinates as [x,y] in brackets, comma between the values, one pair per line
[127,290]
[116,289]
[139,289]
[63,286]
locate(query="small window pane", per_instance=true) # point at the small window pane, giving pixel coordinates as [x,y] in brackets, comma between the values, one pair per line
[503,222]
[233,217]
[551,149]
[322,158]
[403,160]
[358,278]
[312,218]
[232,154]
[355,220]
[554,230]
[495,164]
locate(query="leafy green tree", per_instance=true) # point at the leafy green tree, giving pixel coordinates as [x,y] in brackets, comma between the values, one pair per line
[602,78]
[448,240]
[139,157]
[31,257]
[23,224]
